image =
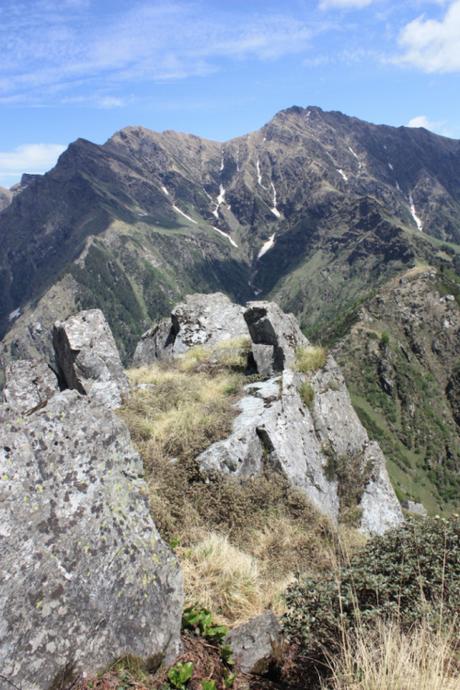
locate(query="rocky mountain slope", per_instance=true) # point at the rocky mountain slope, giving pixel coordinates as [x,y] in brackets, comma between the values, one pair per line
[315,209]
[85,576]
[402,361]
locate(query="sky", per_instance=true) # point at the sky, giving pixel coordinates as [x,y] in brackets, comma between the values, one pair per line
[87,68]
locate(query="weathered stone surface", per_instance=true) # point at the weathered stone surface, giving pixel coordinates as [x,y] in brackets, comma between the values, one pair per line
[199,320]
[28,385]
[88,357]
[309,444]
[415,508]
[257,644]
[84,575]
[271,328]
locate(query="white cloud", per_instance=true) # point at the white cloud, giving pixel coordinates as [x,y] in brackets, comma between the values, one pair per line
[53,50]
[30,158]
[433,45]
[420,121]
[344,4]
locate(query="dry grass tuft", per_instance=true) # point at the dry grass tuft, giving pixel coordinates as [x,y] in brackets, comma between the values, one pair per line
[222,578]
[390,659]
[310,359]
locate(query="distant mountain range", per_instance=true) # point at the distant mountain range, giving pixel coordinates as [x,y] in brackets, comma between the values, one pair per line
[316,210]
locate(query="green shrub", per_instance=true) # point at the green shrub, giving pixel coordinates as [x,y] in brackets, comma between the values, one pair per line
[180,674]
[384,339]
[307,394]
[411,574]
[310,359]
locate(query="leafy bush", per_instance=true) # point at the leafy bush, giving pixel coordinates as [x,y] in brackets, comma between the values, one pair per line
[411,574]
[310,359]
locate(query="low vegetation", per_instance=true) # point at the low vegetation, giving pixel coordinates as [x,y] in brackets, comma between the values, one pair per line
[410,577]
[390,658]
[310,359]
[239,543]
[357,618]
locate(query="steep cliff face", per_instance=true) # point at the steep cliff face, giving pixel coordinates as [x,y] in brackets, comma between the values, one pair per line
[315,209]
[401,361]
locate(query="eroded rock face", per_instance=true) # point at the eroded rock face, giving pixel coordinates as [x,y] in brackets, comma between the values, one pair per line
[28,385]
[84,575]
[88,358]
[199,320]
[319,444]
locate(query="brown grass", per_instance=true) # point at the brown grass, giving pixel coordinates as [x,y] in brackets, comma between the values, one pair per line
[390,659]
[239,543]
[310,359]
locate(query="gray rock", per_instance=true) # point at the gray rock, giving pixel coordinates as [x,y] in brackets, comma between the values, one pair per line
[84,575]
[257,644]
[415,508]
[278,332]
[380,507]
[276,428]
[28,385]
[88,358]
[199,320]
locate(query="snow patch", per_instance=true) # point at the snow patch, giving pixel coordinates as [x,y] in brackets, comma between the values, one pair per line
[226,235]
[353,153]
[221,163]
[163,189]
[219,202]
[413,210]
[259,174]
[269,244]
[390,166]
[274,210]
[397,186]
[14,314]
[177,209]
[345,177]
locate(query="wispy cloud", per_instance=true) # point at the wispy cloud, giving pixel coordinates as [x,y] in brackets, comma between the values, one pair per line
[31,158]
[51,49]
[433,45]
[344,4]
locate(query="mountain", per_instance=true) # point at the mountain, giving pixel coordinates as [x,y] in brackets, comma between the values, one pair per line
[401,360]
[5,198]
[315,209]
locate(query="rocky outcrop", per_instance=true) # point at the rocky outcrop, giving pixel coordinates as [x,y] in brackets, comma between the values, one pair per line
[257,644]
[304,426]
[29,385]
[88,358]
[84,576]
[199,320]
[275,336]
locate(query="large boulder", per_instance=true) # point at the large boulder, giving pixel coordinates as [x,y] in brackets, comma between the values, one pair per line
[84,575]
[199,320]
[28,385]
[88,359]
[304,426]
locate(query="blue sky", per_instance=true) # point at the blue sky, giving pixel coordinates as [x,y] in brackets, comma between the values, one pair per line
[85,68]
